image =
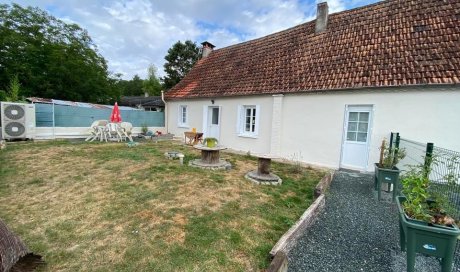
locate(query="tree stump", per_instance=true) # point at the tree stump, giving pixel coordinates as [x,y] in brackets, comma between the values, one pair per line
[264,166]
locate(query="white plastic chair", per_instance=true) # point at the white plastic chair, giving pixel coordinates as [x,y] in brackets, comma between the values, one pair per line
[112,130]
[97,130]
[126,130]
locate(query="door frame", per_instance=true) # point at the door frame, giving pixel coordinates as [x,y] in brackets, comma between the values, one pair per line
[371,109]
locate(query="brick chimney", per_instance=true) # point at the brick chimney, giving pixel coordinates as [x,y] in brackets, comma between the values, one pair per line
[322,13]
[207,49]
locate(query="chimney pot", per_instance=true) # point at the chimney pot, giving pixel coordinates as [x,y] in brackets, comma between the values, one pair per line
[322,13]
[207,49]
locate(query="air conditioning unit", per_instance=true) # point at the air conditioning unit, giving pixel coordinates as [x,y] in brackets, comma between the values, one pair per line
[18,120]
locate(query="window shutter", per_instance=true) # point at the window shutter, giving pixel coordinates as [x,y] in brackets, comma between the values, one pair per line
[205,121]
[256,132]
[239,116]
[179,115]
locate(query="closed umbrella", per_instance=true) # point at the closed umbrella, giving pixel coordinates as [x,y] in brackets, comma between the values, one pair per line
[115,117]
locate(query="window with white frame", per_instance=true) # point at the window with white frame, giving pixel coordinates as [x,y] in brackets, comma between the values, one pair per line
[249,120]
[183,116]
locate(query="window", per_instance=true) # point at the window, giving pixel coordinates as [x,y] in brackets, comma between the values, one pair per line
[248,121]
[183,120]
[215,116]
[358,123]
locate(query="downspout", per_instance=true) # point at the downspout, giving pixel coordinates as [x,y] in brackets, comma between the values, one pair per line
[166,110]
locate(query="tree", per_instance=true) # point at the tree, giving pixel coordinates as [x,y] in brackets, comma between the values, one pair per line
[52,59]
[13,90]
[180,59]
[152,84]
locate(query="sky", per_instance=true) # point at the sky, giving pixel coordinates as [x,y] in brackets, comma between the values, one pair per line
[133,34]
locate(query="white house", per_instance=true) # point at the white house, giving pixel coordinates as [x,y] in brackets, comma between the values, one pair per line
[328,91]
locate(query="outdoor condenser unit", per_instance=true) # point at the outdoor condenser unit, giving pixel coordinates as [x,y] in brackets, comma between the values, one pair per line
[17,120]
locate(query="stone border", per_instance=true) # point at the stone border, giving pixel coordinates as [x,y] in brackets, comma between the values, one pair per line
[222,165]
[289,239]
[273,180]
[323,185]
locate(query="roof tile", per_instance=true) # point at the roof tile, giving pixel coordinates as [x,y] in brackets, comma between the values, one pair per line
[390,43]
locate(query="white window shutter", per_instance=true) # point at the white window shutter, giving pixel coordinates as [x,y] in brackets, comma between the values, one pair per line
[179,116]
[239,116]
[256,132]
[205,121]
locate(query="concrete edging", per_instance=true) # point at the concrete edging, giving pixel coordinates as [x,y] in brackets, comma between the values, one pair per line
[288,240]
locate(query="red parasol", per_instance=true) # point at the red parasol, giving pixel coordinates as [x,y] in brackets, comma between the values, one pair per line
[115,117]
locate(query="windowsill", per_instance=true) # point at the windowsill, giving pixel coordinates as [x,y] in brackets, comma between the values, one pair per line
[248,136]
[183,126]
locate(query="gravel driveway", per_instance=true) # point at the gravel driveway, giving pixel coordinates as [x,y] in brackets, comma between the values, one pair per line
[355,232]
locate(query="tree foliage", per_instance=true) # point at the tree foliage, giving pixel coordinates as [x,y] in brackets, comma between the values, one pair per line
[180,59]
[152,84]
[52,59]
[131,87]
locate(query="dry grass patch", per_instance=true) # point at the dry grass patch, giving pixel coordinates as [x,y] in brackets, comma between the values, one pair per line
[107,207]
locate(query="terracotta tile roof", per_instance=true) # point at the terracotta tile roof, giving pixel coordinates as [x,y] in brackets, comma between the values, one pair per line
[390,43]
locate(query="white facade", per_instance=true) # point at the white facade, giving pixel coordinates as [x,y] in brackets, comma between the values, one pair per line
[311,126]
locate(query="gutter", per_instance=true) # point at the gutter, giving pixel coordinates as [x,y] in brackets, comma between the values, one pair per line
[166,110]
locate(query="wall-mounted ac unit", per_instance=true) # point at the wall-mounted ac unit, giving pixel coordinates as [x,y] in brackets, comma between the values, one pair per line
[18,120]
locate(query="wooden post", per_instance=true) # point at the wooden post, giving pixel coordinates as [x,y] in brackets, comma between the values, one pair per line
[264,166]
[382,150]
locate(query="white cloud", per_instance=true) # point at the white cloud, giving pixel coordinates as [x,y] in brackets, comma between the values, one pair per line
[131,34]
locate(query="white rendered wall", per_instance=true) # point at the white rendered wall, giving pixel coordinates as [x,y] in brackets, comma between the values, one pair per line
[228,120]
[312,124]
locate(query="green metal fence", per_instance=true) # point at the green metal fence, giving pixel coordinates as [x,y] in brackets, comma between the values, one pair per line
[444,174]
[48,115]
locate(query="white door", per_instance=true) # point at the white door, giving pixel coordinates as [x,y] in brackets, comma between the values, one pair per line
[213,127]
[356,138]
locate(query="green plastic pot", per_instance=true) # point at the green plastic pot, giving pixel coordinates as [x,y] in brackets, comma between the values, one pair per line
[384,175]
[420,237]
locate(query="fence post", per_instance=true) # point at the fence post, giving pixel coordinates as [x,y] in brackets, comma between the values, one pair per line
[396,149]
[391,140]
[428,158]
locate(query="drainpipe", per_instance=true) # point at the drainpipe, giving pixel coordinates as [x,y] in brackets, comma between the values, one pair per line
[166,110]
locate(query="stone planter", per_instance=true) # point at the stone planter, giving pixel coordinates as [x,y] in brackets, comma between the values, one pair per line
[420,237]
[384,175]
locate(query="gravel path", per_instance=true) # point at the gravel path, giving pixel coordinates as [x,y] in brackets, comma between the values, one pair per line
[355,232]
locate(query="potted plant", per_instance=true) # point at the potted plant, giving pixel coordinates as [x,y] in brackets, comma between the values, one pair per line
[210,141]
[386,170]
[144,129]
[424,225]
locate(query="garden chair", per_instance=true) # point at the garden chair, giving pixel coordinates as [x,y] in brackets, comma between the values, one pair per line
[97,130]
[126,130]
[113,131]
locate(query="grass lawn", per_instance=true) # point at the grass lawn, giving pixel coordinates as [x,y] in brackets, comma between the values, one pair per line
[107,207]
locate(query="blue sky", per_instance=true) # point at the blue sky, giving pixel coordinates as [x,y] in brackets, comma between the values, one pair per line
[132,34]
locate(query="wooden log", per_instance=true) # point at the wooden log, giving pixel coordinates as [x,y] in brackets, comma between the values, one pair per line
[264,166]
[279,263]
[210,156]
[14,255]
[289,239]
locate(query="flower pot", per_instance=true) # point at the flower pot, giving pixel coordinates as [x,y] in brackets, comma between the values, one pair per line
[210,143]
[420,237]
[384,175]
